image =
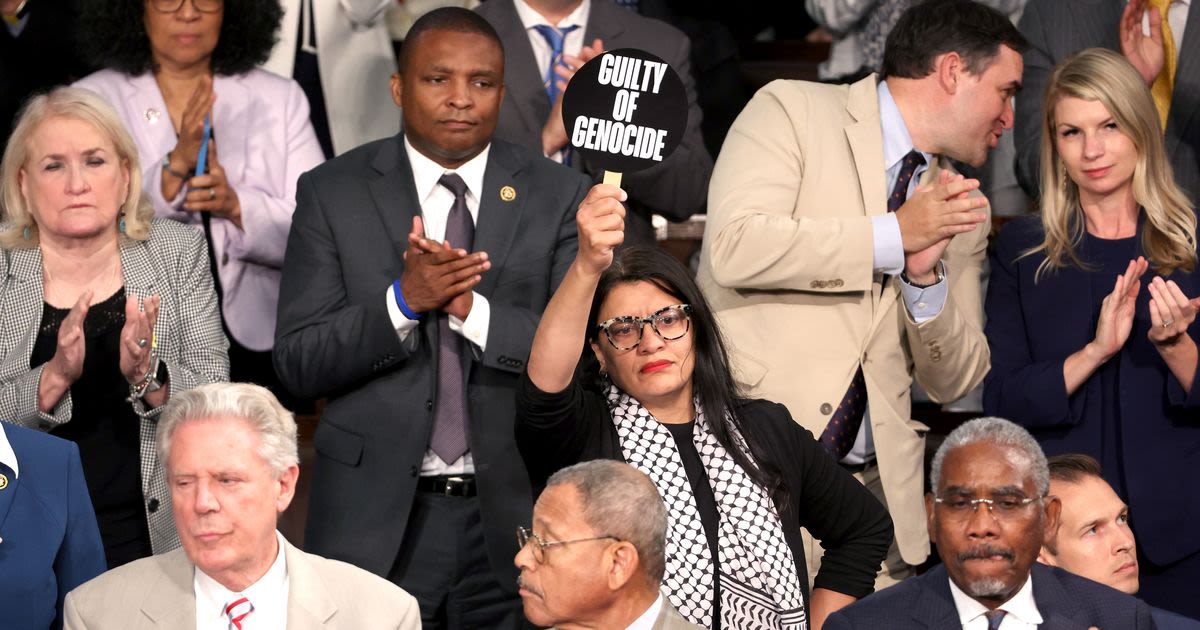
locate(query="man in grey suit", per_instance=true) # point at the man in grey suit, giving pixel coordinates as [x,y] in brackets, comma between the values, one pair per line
[594,557]
[1058,28]
[536,34]
[416,271]
[232,464]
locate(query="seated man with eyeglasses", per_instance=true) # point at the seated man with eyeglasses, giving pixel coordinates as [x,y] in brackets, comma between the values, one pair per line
[989,516]
[595,555]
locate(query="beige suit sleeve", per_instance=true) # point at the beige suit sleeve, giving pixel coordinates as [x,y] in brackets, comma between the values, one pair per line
[760,235]
[72,619]
[950,353]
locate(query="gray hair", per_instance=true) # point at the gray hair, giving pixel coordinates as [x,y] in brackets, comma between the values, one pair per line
[275,426]
[79,104]
[621,501]
[997,431]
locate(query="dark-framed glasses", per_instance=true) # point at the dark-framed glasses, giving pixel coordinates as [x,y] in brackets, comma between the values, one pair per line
[203,6]
[669,322]
[526,536]
[1002,508]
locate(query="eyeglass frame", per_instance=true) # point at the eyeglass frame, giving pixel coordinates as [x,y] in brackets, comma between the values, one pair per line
[179,5]
[603,326]
[991,505]
[526,535]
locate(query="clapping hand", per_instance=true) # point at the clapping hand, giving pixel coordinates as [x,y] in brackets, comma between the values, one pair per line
[1171,312]
[137,337]
[1144,52]
[1116,312]
[437,275]
[212,192]
[67,363]
[554,132]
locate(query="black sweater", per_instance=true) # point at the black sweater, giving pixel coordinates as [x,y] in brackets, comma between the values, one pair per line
[560,429]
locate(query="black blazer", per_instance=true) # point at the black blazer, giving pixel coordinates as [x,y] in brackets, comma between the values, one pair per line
[334,339]
[678,187]
[1066,601]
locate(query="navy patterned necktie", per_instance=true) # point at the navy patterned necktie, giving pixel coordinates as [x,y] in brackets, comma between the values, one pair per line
[632,5]
[995,618]
[449,439]
[839,435]
[555,37]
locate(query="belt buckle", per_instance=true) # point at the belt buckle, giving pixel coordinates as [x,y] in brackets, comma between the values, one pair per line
[456,486]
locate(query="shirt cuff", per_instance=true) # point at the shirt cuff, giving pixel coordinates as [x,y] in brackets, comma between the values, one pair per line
[475,327]
[889,248]
[925,304]
[402,324]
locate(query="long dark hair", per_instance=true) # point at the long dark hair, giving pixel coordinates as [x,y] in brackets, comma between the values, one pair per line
[712,380]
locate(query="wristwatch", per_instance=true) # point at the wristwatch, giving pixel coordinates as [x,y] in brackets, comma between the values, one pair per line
[155,377]
[939,270]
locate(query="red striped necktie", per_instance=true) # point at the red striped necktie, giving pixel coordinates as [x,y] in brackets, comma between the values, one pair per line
[237,611]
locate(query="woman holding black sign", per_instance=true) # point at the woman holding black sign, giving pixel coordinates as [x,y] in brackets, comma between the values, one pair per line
[739,476]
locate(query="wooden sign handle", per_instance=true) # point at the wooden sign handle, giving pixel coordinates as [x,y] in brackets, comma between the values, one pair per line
[612,178]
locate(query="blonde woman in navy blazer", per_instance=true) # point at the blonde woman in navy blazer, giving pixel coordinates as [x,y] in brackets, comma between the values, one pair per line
[1091,314]
[103,306]
[49,543]
[171,63]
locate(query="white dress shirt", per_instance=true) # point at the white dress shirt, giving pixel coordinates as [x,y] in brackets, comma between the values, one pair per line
[8,456]
[269,595]
[646,621]
[923,304]
[572,43]
[436,201]
[1022,611]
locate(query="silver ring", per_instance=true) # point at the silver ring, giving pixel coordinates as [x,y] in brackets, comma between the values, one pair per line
[212,193]
[141,342]
[1167,324]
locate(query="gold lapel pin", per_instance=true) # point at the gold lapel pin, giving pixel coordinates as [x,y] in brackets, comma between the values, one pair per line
[508,193]
[3,481]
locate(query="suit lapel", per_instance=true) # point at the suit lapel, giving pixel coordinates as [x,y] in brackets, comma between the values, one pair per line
[170,602]
[866,145]
[394,193]
[1187,84]
[603,23]
[1058,609]
[8,495]
[151,122]
[309,603]
[934,605]
[496,227]
[522,83]
[19,325]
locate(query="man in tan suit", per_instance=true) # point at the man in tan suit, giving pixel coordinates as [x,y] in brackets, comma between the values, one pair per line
[594,557]
[843,256]
[231,460]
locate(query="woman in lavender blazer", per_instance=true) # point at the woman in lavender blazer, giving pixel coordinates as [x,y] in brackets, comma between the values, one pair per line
[170,64]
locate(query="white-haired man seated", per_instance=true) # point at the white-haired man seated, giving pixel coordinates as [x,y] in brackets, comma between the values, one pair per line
[231,459]
[595,555]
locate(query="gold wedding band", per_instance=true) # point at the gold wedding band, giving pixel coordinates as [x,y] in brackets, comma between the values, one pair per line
[1167,324]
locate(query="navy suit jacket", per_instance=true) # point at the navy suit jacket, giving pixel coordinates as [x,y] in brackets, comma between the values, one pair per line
[51,542]
[1033,327]
[1167,620]
[1066,601]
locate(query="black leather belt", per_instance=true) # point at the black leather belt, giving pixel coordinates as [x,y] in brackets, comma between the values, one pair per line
[448,485]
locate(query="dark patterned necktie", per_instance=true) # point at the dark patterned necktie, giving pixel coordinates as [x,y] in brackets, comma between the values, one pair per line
[449,439]
[838,436]
[995,618]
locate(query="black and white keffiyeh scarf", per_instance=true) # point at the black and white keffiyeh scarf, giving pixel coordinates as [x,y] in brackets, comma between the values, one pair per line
[759,585]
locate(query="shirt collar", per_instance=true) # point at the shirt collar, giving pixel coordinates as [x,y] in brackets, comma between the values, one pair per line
[1021,605]
[530,18]
[896,141]
[646,621]
[8,456]
[426,172]
[270,585]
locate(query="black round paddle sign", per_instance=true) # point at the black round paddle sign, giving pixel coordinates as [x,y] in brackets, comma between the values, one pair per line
[625,110]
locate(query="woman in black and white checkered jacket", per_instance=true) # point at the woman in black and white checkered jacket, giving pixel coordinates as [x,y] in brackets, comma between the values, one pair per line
[107,311]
